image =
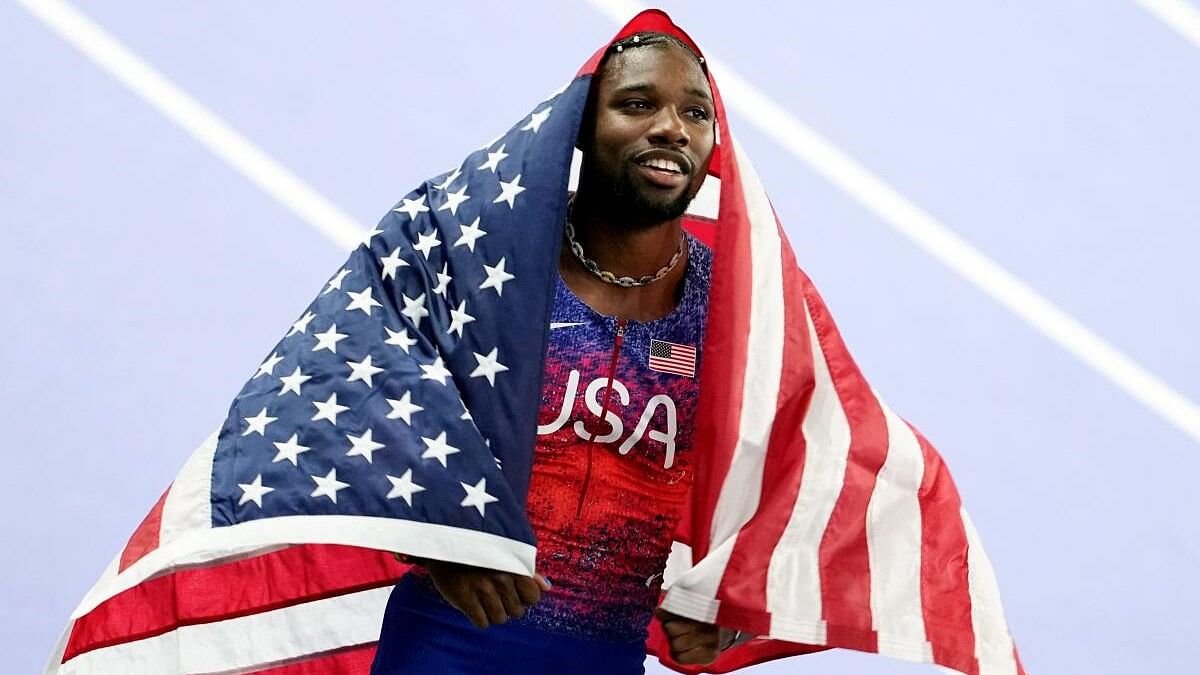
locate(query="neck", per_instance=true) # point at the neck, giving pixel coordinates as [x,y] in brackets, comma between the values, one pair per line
[619,246]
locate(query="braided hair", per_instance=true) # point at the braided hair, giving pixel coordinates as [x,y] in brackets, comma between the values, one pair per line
[646,38]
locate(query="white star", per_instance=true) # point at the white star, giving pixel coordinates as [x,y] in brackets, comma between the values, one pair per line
[404,487]
[426,243]
[453,199]
[438,448]
[391,263]
[399,338]
[362,300]
[509,191]
[253,492]
[469,234]
[329,339]
[443,280]
[435,371]
[454,173]
[328,410]
[363,446]
[258,423]
[536,120]
[488,366]
[371,235]
[328,485]
[412,207]
[363,370]
[301,326]
[459,318]
[414,309]
[268,366]
[403,408]
[493,160]
[477,495]
[496,277]
[292,382]
[336,281]
[290,450]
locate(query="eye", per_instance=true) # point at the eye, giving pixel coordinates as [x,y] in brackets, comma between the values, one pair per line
[637,103]
[698,113]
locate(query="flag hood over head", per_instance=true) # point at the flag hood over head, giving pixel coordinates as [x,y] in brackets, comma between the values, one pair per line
[399,411]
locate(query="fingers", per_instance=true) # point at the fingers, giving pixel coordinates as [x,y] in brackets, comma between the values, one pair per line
[486,597]
[469,605]
[513,606]
[492,604]
[528,590]
[697,655]
[692,642]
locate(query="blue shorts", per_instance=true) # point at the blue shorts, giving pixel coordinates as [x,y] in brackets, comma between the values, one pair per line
[425,635]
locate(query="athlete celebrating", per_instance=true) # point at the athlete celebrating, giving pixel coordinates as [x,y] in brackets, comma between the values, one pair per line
[611,466]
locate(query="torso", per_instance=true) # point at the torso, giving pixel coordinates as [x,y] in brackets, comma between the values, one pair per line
[604,545]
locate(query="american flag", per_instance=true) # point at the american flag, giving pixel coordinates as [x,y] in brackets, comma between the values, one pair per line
[668,357]
[398,413]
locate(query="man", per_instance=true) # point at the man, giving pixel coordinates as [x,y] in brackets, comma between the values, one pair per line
[630,275]
[466,390]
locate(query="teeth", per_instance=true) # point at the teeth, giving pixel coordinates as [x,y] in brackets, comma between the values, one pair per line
[664,164]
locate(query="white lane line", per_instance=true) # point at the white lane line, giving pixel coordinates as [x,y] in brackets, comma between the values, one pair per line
[1181,15]
[197,120]
[939,241]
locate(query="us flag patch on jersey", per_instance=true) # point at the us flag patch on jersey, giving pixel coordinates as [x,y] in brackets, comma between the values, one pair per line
[668,357]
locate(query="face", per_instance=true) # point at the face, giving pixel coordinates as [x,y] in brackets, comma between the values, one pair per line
[647,147]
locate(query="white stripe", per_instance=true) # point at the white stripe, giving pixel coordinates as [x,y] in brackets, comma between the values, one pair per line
[198,121]
[424,540]
[1177,14]
[740,491]
[678,562]
[764,359]
[940,242]
[794,572]
[993,644]
[248,642]
[894,546]
[188,505]
[705,204]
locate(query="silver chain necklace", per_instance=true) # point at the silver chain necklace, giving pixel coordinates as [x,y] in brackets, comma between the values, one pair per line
[609,277]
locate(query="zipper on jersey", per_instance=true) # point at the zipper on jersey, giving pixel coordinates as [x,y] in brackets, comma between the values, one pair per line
[612,371]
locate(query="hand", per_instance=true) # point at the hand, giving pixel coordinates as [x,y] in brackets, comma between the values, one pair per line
[486,596]
[692,642]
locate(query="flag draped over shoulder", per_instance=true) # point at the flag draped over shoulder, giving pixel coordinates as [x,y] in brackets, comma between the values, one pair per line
[398,413]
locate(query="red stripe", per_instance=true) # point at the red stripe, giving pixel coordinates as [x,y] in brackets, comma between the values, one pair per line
[844,559]
[1017,658]
[145,538]
[223,591]
[945,593]
[744,585]
[719,409]
[351,661]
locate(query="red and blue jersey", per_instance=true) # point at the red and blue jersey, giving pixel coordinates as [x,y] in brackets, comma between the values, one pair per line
[612,464]
[611,468]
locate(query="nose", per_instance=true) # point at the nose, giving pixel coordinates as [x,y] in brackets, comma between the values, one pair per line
[668,128]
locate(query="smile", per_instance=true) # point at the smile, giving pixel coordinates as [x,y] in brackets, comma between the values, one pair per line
[668,165]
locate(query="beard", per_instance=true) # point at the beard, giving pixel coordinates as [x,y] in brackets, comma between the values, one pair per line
[633,208]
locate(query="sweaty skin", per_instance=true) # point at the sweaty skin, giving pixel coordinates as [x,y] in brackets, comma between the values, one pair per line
[650,104]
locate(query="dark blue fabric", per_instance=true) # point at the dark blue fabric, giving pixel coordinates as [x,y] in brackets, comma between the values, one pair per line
[425,635]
